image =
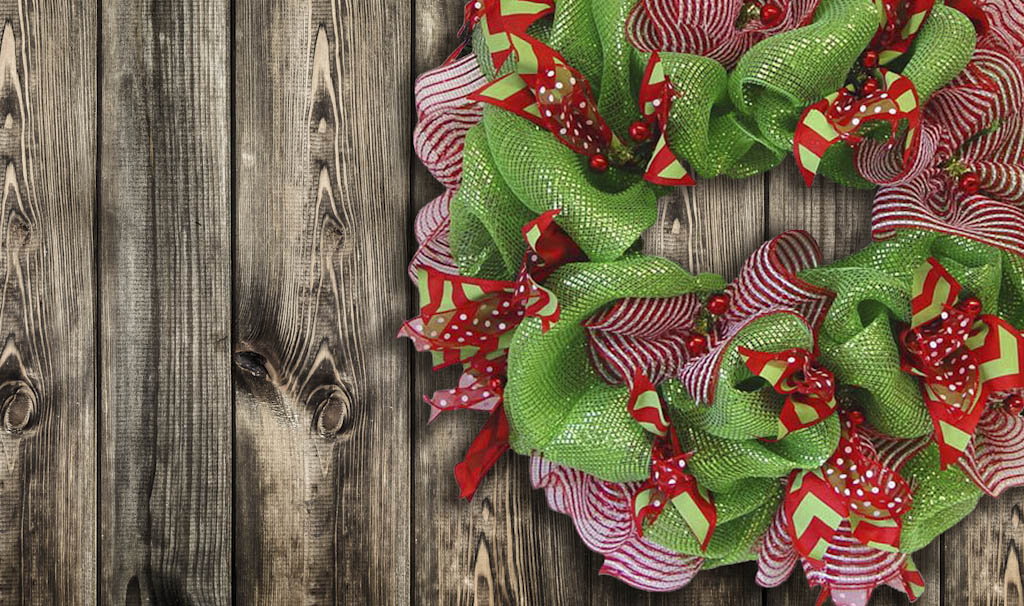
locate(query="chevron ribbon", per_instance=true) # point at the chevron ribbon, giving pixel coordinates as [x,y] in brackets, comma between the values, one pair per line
[961,356]
[656,96]
[795,373]
[669,482]
[913,580]
[501,19]
[840,116]
[645,406]
[852,486]
[901,20]
[549,92]
[851,570]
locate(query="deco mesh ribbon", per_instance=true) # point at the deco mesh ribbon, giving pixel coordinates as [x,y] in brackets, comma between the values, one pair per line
[795,414]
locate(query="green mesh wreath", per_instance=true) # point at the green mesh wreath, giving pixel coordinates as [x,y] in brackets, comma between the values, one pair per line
[844,415]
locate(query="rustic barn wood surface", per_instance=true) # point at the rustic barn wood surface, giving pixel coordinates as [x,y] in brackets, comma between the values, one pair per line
[206,216]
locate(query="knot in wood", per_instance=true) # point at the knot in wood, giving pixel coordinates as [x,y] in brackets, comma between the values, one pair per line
[252,363]
[17,406]
[331,405]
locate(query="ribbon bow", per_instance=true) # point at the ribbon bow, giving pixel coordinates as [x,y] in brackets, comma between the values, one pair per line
[840,116]
[890,97]
[961,355]
[471,321]
[852,485]
[656,95]
[669,482]
[809,389]
[549,92]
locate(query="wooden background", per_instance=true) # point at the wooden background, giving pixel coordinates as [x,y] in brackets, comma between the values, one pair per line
[206,216]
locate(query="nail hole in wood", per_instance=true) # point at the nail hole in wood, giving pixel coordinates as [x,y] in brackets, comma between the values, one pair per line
[331,410]
[17,406]
[252,363]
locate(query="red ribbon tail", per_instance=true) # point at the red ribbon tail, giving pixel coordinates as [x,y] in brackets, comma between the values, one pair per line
[823,596]
[483,453]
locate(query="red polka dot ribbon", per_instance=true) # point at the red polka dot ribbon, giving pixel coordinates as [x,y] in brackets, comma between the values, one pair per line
[471,321]
[961,355]
[852,486]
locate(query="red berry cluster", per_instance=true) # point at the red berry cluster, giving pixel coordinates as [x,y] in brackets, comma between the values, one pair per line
[771,14]
[638,131]
[717,304]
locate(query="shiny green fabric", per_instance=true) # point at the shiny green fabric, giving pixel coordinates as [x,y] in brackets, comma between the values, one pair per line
[555,401]
[737,124]
[558,406]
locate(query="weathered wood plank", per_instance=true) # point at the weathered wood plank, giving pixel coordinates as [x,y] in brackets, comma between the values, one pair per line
[165,299]
[506,546]
[839,218]
[322,487]
[47,364]
[982,559]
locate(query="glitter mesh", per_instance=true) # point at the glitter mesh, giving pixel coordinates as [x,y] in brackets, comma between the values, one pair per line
[557,404]
[737,124]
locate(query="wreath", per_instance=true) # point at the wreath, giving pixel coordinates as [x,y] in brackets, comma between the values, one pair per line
[842,416]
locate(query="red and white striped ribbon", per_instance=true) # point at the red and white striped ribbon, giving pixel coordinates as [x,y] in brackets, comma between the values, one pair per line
[990,90]
[602,514]
[767,283]
[707,28]
[445,115]
[995,458]
[645,334]
[851,571]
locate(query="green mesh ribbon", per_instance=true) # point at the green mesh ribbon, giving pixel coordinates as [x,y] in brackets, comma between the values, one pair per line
[581,420]
[737,124]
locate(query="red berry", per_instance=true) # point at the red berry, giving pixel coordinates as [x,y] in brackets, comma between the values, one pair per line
[639,131]
[869,87]
[970,183]
[770,14]
[718,304]
[1015,404]
[598,163]
[696,344]
[855,416]
[971,305]
[869,59]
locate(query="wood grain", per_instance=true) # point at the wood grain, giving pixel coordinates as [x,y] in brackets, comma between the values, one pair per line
[982,559]
[165,330]
[322,488]
[201,397]
[47,371]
